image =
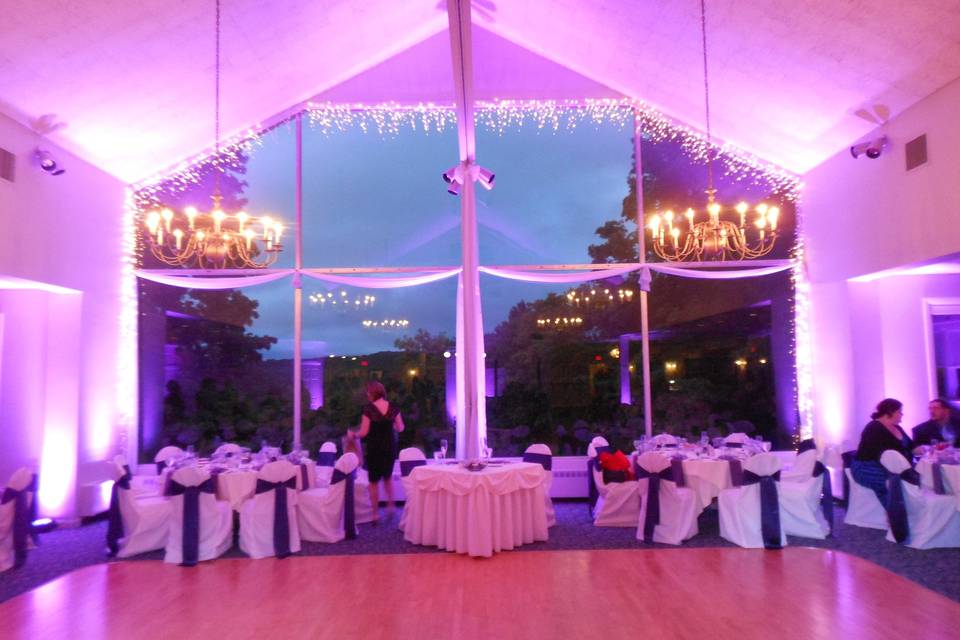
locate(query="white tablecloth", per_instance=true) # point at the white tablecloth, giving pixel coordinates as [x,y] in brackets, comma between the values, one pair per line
[707,477]
[951,477]
[476,512]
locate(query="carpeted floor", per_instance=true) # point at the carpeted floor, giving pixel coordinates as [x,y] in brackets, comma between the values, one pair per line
[937,569]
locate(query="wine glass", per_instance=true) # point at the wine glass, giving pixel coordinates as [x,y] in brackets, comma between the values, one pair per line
[443,448]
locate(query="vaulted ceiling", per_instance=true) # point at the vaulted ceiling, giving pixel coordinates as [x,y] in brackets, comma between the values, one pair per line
[133,81]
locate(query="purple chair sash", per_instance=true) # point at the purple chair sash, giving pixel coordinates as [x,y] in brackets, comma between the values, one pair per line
[847,457]
[897,506]
[326,458]
[161,466]
[407,466]
[667,445]
[826,501]
[32,489]
[281,521]
[191,516]
[736,470]
[806,445]
[938,487]
[652,517]
[21,522]
[545,460]
[304,477]
[349,507]
[733,445]
[592,464]
[676,468]
[769,507]
[115,518]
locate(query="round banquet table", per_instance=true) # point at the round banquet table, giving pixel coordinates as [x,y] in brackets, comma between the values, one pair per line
[476,512]
[236,486]
[951,477]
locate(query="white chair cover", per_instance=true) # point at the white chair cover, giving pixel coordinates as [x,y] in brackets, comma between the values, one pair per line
[19,481]
[164,455]
[143,486]
[544,450]
[598,441]
[215,519]
[146,521]
[677,505]
[257,513]
[408,455]
[737,438]
[664,439]
[321,509]
[618,504]
[740,508]
[800,491]
[228,449]
[325,462]
[933,519]
[863,507]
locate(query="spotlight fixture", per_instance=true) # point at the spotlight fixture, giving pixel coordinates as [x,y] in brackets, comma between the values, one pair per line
[450,174]
[873,149]
[485,177]
[453,188]
[46,162]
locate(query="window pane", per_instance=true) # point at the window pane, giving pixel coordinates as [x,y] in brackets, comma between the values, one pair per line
[398,336]
[259,183]
[946,340]
[721,357]
[215,366]
[554,365]
[378,200]
[552,190]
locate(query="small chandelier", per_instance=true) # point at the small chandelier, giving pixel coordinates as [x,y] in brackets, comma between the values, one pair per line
[714,238]
[213,239]
[389,323]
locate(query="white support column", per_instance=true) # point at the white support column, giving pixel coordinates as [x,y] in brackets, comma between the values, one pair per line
[642,258]
[298,293]
[471,412]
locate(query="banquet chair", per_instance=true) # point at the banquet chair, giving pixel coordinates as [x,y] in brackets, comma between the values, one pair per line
[268,520]
[201,527]
[325,513]
[228,449]
[136,524]
[15,507]
[806,498]
[917,518]
[736,438]
[668,513]
[617,503]
[665,441]
[864,508]
[834,462]
[163,457]
[325,461]
[750,514]
[541,454]
[410,458]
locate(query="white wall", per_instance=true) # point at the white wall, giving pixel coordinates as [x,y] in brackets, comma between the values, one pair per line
[863,216]
[67,231]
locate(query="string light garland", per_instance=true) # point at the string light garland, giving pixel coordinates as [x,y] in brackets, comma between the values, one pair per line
[802,338]
[389,323]
[583,297]
[342,302]
[560,322]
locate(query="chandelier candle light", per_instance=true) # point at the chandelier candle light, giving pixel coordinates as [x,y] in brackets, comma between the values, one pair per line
[713,238]
[213,239]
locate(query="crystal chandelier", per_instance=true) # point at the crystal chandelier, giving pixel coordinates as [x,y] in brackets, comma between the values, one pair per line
[214,238]
[677,238]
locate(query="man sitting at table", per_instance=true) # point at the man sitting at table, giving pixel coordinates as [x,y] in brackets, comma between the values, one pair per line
[939,427]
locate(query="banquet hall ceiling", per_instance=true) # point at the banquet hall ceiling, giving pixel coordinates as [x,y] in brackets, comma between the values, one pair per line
[133,81]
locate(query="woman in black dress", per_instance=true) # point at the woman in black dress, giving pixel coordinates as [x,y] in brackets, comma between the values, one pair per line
[883,432]
[377,426]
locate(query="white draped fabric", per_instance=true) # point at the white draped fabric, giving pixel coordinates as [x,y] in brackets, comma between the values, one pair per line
[378,282]
[477,513]
[211,283]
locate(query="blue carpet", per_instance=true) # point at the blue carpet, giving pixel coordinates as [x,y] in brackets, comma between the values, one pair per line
[65,550]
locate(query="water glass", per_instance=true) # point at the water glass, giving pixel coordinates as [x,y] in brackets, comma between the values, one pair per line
[443,448]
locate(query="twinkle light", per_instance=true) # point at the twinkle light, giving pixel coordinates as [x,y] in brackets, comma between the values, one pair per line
[802,341]
[389,323]
[586,296]
[560,322]
[342,301]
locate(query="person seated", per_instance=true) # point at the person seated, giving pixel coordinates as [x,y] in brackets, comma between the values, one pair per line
[883,432]
[939,427]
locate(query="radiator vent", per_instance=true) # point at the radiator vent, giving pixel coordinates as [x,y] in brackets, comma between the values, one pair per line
[8,163]
[916,152]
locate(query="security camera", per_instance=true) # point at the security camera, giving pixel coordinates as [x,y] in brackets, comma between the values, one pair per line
[46,162]
[871,148]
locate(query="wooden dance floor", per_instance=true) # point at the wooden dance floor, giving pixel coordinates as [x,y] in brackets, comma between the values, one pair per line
[683,593]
